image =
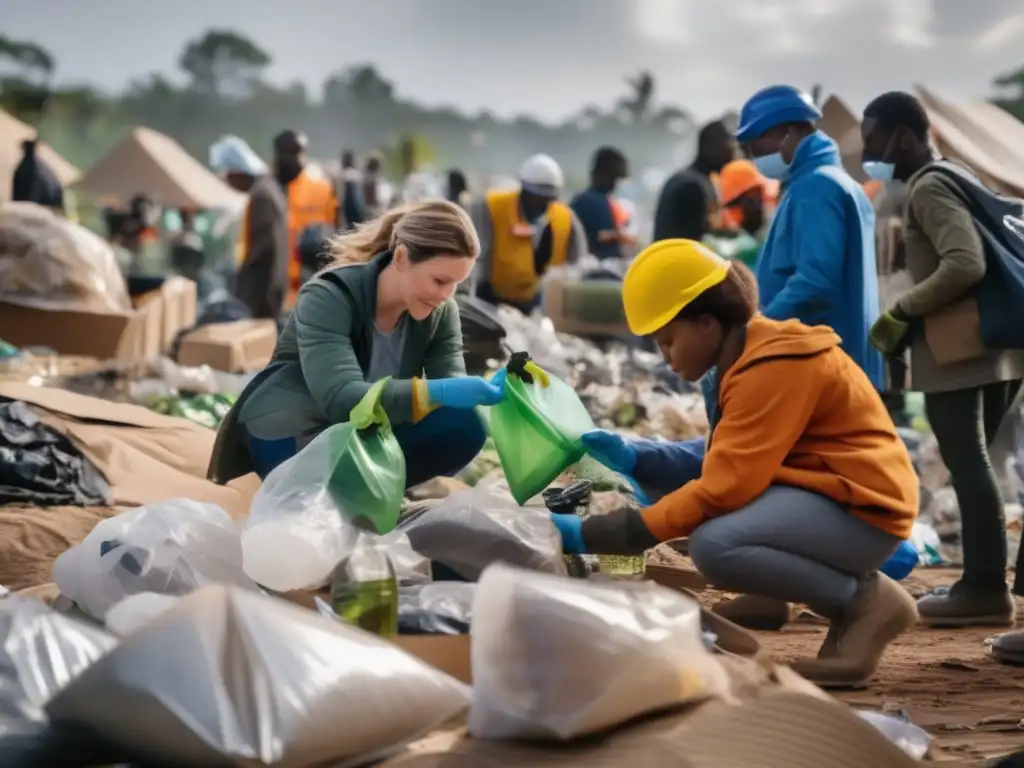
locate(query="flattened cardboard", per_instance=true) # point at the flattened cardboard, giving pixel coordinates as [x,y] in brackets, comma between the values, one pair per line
[143,333]
[238,347]
[146,457]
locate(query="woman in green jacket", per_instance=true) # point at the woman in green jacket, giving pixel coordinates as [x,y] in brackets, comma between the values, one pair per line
[386,310]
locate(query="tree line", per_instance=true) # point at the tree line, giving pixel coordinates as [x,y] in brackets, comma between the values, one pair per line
[225,91]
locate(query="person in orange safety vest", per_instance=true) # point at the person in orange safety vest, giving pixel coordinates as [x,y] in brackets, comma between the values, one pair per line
[311,199]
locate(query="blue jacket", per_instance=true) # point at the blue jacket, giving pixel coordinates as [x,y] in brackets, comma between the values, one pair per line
[594,210]
[818,261]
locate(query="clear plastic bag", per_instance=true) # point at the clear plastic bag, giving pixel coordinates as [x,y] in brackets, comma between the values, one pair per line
[912,739]
[536,431]
[49,262]
[470,530]
[228,677]
[559,658]
[42,652]
[306,515]
[170,548]
[137,611]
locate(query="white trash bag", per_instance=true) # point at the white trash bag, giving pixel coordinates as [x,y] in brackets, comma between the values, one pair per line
[558,658]
[170,548]
[233,678]
[470,530]
[41,652]
[295,534]
[137,611]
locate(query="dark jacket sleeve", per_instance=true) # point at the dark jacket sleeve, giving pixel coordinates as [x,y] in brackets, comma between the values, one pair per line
[682,211]
[664,467]
[262,281]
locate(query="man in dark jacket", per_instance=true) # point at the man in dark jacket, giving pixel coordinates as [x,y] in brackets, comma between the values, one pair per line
[261,282]
[34,181]
[688,200]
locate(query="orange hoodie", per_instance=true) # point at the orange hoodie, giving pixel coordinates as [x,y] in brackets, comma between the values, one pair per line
[796,410]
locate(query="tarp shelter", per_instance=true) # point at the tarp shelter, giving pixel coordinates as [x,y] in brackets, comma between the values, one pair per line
[12,133]
[150,163]
[840,124]
[983,137]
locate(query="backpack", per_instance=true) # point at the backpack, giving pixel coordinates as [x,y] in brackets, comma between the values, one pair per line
[1000,293]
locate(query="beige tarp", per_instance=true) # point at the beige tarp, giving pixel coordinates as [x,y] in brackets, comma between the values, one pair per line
[12,133]
[981,136]
[151,163]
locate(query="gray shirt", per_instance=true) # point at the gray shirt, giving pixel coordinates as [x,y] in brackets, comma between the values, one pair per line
[386,351]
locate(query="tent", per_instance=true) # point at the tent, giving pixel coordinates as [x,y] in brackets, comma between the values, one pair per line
[983,137]
[839,123]
[150,163]
[12,133]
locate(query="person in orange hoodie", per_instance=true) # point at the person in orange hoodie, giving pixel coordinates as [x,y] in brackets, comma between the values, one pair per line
[806,488]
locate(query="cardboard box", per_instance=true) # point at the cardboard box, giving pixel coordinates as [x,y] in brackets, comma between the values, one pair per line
[555,301]
[238,347]
[145,332]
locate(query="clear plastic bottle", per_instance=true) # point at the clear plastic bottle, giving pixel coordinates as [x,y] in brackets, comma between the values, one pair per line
[364,589]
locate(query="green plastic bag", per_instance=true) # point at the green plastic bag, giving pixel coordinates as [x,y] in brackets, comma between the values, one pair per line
[368,477]
[536,431]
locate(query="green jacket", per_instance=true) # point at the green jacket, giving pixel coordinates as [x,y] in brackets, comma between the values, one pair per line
[317,373]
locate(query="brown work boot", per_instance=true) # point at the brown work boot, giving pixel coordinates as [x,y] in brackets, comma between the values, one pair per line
[1009,648]
[963,605]
[881,611]
[754,612]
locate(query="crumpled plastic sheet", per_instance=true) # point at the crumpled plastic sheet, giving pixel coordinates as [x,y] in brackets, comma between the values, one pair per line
[229,677]
[49,262]
[441,608]
[42,652]
[470,530]
[912,739]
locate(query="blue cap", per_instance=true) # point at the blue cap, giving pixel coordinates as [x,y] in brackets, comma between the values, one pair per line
[772,106]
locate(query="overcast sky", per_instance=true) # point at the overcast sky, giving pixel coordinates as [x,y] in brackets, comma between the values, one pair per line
[550,57]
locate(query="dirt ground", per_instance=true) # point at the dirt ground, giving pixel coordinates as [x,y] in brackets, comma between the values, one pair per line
[943,680]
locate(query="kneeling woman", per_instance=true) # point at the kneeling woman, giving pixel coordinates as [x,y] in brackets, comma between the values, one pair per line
[388,310]
[806,488]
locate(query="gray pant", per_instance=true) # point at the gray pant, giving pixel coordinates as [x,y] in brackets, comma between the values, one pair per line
[792,545]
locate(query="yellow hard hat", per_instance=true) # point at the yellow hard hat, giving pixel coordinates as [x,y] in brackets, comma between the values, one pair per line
[664,278]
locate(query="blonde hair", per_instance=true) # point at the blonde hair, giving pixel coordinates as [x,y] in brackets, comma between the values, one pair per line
[427,229]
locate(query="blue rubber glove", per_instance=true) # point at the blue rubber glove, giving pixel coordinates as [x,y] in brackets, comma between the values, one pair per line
[570,528]
[612,450]
[467,391]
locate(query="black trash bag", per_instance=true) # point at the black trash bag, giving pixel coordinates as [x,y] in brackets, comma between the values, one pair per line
[442,608]
[41,467]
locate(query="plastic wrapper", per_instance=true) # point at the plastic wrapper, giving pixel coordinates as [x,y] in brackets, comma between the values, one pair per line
[42,652]
[912,739]
[304,518]
[559,658]
[48,262]
[470,530]
[170,548]
[228,677]
[536,431]
[411,568]
[444,608]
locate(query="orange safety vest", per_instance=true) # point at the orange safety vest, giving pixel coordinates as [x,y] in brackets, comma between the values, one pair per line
[513,275]
[311,202]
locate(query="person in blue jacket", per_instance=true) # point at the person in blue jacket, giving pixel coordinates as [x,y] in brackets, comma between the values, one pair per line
[818,261]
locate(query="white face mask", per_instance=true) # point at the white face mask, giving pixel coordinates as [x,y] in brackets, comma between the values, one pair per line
[879,171]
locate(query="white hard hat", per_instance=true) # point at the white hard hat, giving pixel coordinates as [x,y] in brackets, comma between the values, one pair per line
[542,175]
[232,154]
